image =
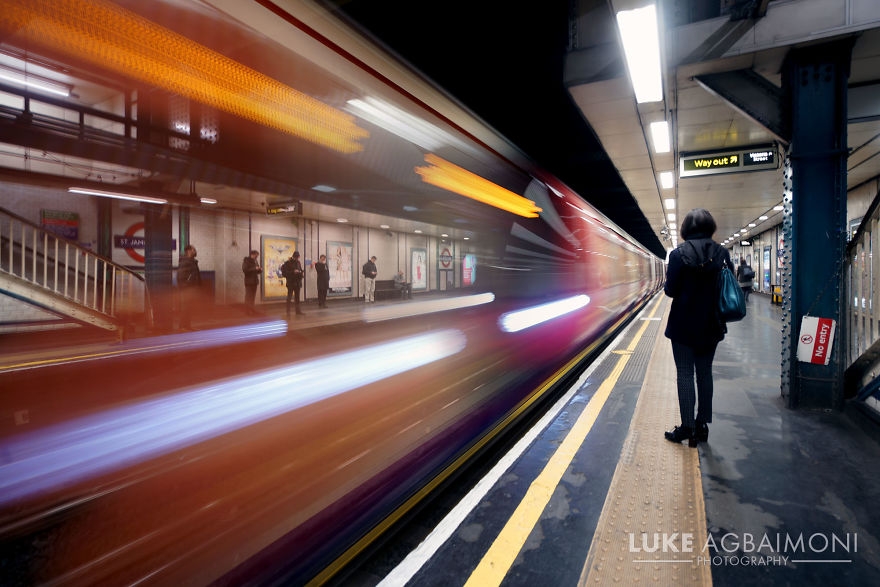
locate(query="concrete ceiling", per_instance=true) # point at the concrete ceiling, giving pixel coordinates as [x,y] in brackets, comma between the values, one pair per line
[711,68]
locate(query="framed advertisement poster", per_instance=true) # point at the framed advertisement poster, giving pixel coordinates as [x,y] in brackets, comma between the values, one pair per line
[419,268]
[275,250]
[468,270]
[339,261]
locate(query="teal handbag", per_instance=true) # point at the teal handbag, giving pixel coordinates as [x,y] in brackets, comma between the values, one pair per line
[731,301]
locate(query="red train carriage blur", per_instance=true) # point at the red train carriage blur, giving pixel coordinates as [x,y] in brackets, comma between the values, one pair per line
[228,456]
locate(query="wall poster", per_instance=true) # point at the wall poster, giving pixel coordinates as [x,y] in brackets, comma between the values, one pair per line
[468,270]
[275,251]
[419,268]
[61,222]
[339,261]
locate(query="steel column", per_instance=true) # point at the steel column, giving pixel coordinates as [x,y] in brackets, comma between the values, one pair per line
[815,81]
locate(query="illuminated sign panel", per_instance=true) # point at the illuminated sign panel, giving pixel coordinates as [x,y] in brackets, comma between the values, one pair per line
[289,209]
[750,159]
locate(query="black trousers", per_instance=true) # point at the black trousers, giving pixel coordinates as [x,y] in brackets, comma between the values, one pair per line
[688,363]
[293,291]
[322,297]
[250,294]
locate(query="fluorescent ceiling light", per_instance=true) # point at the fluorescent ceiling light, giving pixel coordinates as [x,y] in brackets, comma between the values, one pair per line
[777,208]
[207,200]
[666,182]
[323,188]
[671,217]
[34,81]
[762,218]
[660,136]
[117,195]
[641,45]
[668,202]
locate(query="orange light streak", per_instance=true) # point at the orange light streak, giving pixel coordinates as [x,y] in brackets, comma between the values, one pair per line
[121,41]
[449,176]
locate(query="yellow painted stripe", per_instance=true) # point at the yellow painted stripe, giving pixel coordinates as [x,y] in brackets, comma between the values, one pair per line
[91,356]
[656,489]
[497,562]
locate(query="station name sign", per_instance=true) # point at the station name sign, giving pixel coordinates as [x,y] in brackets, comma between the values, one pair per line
[748,159]
[288,209]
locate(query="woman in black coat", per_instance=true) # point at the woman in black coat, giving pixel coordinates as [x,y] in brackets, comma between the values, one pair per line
[693,325]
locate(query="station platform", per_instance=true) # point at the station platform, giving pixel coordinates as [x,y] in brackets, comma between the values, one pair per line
[595,495]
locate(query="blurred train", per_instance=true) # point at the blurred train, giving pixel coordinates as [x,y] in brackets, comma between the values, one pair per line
[266,452]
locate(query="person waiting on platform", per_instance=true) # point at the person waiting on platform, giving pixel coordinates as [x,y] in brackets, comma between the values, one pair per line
[251,270]
[369,271]
[323,273]
[401,284]
[292,271]
[189,282]
[745,276]
[693,326]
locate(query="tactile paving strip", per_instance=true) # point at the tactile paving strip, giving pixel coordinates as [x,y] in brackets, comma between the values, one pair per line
[653,525]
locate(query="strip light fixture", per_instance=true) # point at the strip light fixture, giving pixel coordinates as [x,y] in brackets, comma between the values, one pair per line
[449,176]
[660,136]
[35,82]
[116,195]
[641,45]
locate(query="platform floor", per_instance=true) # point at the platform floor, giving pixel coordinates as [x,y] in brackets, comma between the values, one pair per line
[596,495]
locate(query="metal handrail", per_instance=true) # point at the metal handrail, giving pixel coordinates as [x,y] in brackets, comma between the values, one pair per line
[53,263]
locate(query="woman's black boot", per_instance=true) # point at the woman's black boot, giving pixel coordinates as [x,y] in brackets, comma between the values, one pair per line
[701,433]
[680,433]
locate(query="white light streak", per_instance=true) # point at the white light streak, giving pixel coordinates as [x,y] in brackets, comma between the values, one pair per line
[77,450]
[522,319]
[378,314]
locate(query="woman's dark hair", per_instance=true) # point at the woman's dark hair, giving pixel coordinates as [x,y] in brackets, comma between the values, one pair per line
[698,224]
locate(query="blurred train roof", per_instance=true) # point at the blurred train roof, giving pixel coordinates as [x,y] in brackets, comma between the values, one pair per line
[551,78]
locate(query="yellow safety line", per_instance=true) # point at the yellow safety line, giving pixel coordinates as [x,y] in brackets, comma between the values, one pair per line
[655,495]
[84,357]
[500,557]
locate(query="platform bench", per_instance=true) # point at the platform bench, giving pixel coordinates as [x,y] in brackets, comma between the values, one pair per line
[385,290]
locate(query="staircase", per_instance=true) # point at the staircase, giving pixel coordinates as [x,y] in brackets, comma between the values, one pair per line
[64,283]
